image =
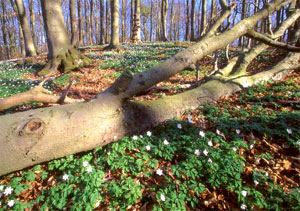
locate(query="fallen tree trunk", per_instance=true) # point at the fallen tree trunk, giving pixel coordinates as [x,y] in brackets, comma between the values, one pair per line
[44,134]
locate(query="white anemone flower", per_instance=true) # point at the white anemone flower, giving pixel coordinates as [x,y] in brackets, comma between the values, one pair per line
[162,197]
[65,177]
[202,134]
[149,133]
[166,142]
[148,148]
[244,193]
[10,203]
[197,152]
[8,191]
[205,152]
[159,172]
[85,163]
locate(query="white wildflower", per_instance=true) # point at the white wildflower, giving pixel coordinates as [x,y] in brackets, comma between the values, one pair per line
[8,191]
[179,126]
[202,134]
[135,138]
[85,163]
[238,131]
[162,197]
[159,172]
[89,169]
[267,174]
[210,143]
[234,149]
[141,136]
[205,152]
[10,203]
[243,206]
[251,146]
[256,182]
[289,131]
[218,132]
[1,187]
[209,160]
[197,152]
[65,177]
[149,133]
[244,193]
[148,148]
[97,204]
[166,142]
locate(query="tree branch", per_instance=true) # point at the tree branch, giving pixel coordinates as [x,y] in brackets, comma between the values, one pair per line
[36,94]
[264,39]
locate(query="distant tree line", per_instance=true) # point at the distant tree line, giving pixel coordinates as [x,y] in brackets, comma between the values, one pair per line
[88,22]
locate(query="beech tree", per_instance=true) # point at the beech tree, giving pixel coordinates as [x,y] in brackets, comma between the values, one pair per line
[54,132]
[136,30]
[62,56]
[29,44]
[115,36]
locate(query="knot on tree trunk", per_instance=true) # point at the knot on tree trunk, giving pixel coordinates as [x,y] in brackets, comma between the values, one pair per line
[32,127]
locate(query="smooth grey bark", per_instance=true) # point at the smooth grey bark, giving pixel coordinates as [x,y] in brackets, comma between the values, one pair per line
[164,10]
[62,56]
[115,34]
[101,22]
[29,45]
[187,25]
[80,37]
[193,19]
[74,31]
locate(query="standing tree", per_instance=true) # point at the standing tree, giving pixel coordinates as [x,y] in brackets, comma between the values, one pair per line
[124,8]
[115,34]
[62,56]
[164,10]
[193,20]
[79,22]
[32,21]
[187,25]
[203,18]
[101,22]
[74,31]
[136,33]
[29,45]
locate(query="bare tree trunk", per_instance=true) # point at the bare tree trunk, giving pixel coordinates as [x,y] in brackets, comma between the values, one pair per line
[124,9]
[79,23]
[62,56]
[187,25]
[42,132]
[164,10]
[32,21]
[74,32]
[23,53]
[91,33]
[101,22]
[171,21]
[203,18]
[115,34]
[193,20]
[151,20]
[107,13]
[29,45]
[136,33]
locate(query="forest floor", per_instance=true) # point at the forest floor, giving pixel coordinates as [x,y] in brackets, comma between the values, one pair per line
[241,152]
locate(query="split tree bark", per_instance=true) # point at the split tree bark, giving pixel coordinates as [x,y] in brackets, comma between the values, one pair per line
[62,56]
[110,116]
